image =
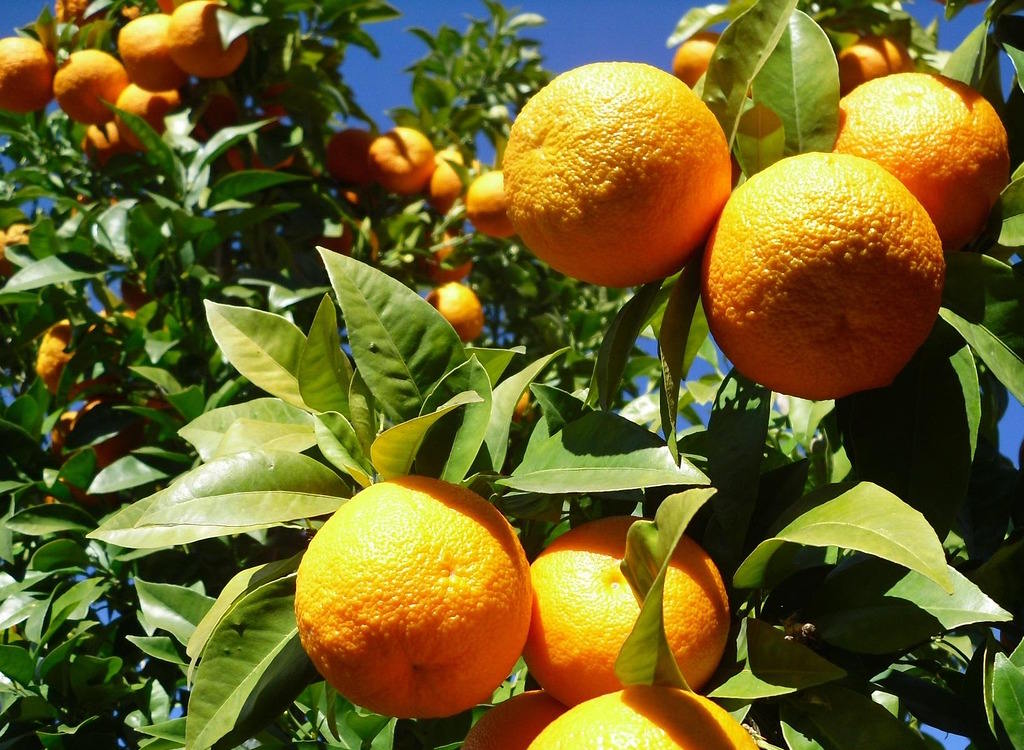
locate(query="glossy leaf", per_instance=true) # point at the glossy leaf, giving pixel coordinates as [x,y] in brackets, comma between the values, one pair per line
[1011,212]
[1008,698]
[235,185]
[207,432]
[760,139]
[337,440]
[680,334]
[176,609]
[620,341]
[832,715]
[458,438]
[324,374]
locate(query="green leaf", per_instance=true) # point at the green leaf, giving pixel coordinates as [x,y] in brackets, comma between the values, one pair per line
[1011,211]
[800,83]
[232,26]
[155,149]
[401,344]
[235,185]
[1008,698]
[207,432]
[50,271]
[831,715]
[338,441]
[646,657]
[495,361]
[125,473]
[251,670]
[742,50]
[230,495]
[176,609]
[16,664]
[600,452]
[41,520]
[760,139]
[58,554]
[619,342]
[776,665]
[158,646]
[866,518]
[456,440]
[683,329]
[262,346]
[698,19]
[967,62]
[325,374]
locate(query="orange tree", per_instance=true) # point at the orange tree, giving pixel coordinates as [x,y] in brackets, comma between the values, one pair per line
[183,406]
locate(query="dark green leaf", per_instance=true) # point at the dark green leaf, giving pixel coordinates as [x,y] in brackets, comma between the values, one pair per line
[235,185]
[619,342]
[176,609]
[1008,698]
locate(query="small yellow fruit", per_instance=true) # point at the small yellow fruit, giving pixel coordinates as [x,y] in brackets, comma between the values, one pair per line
[89,79]
[487,206]
[459,305]
[195,45]
[693,57]
[26,75]
[445,183]
[151,106]
[402,161]
[52,357]
[515,723]
[142,45]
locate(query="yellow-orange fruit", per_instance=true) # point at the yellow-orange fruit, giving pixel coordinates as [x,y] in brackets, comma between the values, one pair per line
[69,11]
[445,183]
[413,600]
[195,44]
[51,359]
[515,723]
[26,75]
[487,207]
[102,142]
[89,79]
[402,161]
[651,718]
[871,57]
[15,234]
[151,106]
[348,154]
[615,173]
[142,45]
[459,305]
[940,138]
[584,609]
[693,56]
[166,6]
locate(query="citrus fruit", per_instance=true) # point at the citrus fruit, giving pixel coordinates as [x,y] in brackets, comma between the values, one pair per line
[347,155]
[692,57]
[142,45]
[26,74]
[515,723]
[166,6]
[651,718]
[68,11]
[402,160]
[52,358]
[487,207]
[823,276]
[445,183]
[195,45]
[151,106]
[441,274]
[615,173]
[871,57]
[15,234]
[102,142]
[413,600]
[89,79]
[940,138]
[459,305]
[584,609]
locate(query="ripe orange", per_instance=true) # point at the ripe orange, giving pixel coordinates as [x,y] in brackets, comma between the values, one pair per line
[348,154]
[102,142]
[402,161]
[615,173]
[52,358]
[871,57]
[823,276]
[26,75]
[87,80]
[15,234]
[142,45]
[515,723]
[652,718]
[487,206]
[437,272]
[195,45]
[413,600]
[459,305]
[693,56]
[445,183]
[151,106]
[166,6]
[940,138]
[70,11]
[583,610]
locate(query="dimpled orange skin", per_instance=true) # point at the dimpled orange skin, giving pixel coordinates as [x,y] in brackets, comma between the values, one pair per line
[151,106]
[693,56]
[871,57]
[103,142]
[615,172]
[194,41]
[645,718]
[413,600]
[514,724]
[26,75]
[459,305]
[347,154]
[445,183]
[87,80]
[583,610]
[487,205]
[402,161]
[51,359]
[823,276]
[142,45]
[940,138]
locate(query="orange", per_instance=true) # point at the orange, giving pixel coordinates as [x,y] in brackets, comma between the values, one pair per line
[195,45]
[87,80]
[166,6]
[52,357]
[615,173]
[515,723]
[437,272]
[15,234]
[523,406]
[402,161]
[487,206]
[459,305]
[102,142]
[693,56]
[26,75]
[652,718]
[151,106]
[445,183]
[583,610]
[940,138]
[871,57]
[823,276]
[142,45]
[348,154]
[70,11]
[413,600]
